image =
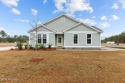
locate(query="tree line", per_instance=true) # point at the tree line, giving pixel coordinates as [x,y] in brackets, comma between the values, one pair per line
[4,37]
[117,38]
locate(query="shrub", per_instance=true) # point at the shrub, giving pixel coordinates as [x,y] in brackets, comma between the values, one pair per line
[42,46]
[30,47]
[49,46]
[11,49]
[19,45]
[26,46]
[36,47]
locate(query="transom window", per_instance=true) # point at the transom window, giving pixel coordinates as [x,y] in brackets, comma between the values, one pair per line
[75,38]
[89,38]
[44,39]
[39,38]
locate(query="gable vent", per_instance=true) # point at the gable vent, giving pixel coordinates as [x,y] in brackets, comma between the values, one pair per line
[63,19]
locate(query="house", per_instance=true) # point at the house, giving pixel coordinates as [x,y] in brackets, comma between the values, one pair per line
[110,42]
[67,32]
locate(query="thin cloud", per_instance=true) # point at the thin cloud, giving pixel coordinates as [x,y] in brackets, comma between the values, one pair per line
[72,6]
[114,17]
[10,3]
[22,20]
[115,6]
[103,18]
[34,11]
[104,25]
[45,1]
[88,21]
[2,28]
[15,11]
[123,3]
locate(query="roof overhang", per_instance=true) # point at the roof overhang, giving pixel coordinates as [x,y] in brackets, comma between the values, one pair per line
[35,28]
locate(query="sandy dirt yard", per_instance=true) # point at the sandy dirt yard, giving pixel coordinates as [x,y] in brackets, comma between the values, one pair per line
[62,67]
[115,45]
[7,44]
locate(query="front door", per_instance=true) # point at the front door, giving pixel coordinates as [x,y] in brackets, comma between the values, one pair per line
[59,41]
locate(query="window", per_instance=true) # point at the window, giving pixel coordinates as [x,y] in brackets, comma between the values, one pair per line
[44,39]
[59,40]
[89,38]
[75,38]
[39,38]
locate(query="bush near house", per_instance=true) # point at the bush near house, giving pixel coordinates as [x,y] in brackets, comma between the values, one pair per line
[42,46]
[19,45]
[30,47]
[26,46]
[49,46]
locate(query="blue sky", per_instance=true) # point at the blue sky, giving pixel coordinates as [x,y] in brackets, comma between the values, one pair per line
[17,15]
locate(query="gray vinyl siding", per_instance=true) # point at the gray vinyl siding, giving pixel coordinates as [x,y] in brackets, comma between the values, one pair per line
[96,39]
[59,26]
[52,39]
[32,39]
[42,30]
[81,27]
[82,39]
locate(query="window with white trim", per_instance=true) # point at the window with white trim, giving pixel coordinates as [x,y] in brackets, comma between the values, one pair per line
[44,38]
[89,38]
[39,38]
[75,38]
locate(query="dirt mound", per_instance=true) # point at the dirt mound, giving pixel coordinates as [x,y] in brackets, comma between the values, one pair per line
[36,60]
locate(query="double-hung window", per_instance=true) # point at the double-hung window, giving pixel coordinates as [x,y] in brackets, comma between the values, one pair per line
[39,38]
[75,38]
[89,38]
[44,39]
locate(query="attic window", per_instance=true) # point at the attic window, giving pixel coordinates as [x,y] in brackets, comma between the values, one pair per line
[63,19]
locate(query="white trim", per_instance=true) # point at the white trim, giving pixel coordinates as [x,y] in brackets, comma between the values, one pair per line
[79,22]
[91,27]
[62,40]
[100,41]
[83,23]
[42,32]
[47,38]
[81,32]
[29,39]
[82,46]
[60,16]
[38,38]
[39,27]
[86,39]
[59,33]
[72,27]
